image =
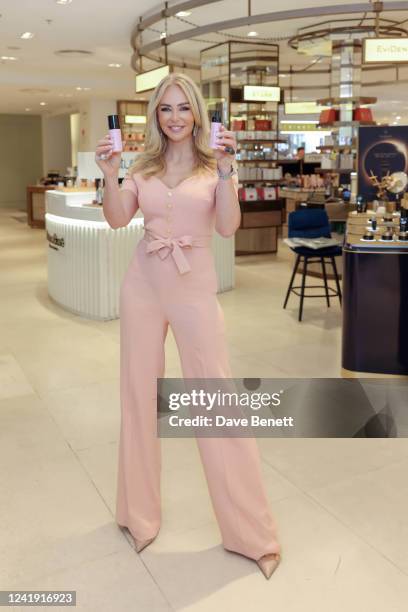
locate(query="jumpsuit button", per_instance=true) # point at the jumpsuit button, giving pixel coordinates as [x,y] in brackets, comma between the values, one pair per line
[169,193]
[168,205]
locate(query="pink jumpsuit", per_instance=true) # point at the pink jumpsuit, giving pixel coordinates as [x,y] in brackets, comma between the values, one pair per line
[171,279]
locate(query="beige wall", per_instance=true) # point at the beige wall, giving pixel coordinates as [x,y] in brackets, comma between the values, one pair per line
[20,157]
[56,134]
[94,122]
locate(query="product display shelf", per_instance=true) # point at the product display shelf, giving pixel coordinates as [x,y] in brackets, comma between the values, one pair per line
[344,132]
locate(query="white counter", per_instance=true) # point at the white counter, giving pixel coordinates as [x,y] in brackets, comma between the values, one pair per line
[87,259]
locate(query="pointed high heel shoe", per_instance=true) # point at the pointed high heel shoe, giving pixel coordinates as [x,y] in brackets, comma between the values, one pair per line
[140,545]
[269,563]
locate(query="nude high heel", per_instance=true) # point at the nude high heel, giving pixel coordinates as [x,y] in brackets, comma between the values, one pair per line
[269,563]
[138,545]
[141,544]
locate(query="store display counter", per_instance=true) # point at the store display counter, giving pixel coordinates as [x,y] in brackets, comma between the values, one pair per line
[375,301]
[87,259]
[258,231]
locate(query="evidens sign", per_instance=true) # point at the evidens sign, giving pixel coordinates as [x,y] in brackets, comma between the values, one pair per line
[385,50]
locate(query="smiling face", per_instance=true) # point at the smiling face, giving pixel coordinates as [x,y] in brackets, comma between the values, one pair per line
[174,114]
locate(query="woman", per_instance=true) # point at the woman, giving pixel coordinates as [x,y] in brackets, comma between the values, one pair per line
[184,190]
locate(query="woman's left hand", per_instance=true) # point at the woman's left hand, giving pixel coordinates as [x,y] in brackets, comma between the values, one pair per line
[226,138]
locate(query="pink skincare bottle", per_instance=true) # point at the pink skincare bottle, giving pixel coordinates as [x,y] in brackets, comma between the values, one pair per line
[115,133]
[215,128]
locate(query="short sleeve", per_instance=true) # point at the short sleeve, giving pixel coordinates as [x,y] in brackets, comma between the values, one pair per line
[129,184]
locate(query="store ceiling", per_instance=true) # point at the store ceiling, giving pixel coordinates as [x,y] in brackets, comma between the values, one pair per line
[95,26]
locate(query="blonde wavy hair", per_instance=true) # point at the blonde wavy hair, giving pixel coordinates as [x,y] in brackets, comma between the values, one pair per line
[152,160]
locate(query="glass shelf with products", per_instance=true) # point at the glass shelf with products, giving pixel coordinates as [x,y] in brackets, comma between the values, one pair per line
[132,119]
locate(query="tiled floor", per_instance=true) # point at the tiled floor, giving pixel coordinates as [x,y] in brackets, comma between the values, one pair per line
[341,504]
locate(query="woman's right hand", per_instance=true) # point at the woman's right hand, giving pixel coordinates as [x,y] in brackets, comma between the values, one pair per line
[109,166]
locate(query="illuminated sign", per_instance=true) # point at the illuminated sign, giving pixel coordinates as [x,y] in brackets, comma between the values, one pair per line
[135,119]
[303,108]
[149,80]
[383,50]
[262,93]
[297,126]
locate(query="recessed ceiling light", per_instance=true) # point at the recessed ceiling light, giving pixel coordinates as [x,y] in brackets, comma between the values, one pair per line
[28,109]
[252,33]
[27,35]
[282,75]
[43,104]
[114,65]
[397,118]
[63,1]
[183,13]
[8,57]
[163,35]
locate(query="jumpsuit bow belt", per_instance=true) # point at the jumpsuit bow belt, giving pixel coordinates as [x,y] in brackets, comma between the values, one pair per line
[163,246]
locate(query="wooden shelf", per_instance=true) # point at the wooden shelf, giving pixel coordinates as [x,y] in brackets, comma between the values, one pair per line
[334,171]
[269,181]
[257,161]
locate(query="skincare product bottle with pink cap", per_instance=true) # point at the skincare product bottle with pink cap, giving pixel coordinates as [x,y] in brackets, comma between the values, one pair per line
[115,133]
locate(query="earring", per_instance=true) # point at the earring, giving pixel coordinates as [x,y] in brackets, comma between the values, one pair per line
[195,130]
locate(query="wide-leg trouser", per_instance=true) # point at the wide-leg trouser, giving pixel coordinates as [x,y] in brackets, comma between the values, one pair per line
[154,295]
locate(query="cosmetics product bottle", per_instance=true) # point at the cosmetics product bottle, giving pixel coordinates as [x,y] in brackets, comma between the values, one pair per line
[359,203]
[115,133]
[215,128]
[403,220]
[99,192]
[387,235]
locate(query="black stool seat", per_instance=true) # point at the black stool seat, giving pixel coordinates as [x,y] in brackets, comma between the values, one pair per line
[333,251]
[312,223]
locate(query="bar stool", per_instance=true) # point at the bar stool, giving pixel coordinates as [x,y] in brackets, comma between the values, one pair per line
[312,223]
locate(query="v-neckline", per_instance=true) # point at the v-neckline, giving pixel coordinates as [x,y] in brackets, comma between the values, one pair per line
[178,184]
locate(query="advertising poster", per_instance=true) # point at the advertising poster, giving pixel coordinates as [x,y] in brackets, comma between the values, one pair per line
[381,150]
